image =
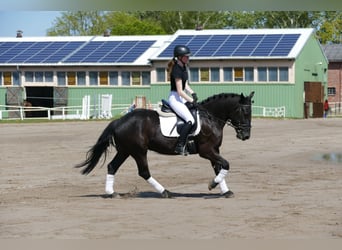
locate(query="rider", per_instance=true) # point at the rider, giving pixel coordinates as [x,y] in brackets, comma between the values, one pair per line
[180,93]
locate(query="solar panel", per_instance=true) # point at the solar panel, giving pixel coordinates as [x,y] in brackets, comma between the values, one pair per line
[12,49]
[247,46]
[29,52]
[128,51]
[230,45]
[285,45]
[235,45]
[110,51]
[62,50]
[133,52]
[213,44]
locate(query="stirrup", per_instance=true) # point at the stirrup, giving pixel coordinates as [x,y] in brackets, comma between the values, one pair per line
[181,150]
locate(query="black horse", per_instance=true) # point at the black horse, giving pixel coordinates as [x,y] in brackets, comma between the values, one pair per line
[139,131]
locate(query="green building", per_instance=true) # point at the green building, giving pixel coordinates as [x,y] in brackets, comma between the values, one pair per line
[285,67]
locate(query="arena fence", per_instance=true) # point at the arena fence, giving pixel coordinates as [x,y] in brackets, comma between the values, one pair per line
[335,109]
[86,111]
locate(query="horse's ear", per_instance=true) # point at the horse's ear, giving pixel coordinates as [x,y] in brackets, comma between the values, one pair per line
[251,95]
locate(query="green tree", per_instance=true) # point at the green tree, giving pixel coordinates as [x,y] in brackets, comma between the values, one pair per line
[289,19]
[121,23]
[80,23]
[171,21]
[83,23]
[330,27]
[328,24]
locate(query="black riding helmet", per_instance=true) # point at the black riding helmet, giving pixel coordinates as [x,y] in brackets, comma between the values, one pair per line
[181,50]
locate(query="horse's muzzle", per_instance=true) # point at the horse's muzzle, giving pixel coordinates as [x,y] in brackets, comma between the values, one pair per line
[243,134]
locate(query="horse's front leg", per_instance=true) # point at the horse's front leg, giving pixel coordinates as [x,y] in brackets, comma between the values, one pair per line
[221,168]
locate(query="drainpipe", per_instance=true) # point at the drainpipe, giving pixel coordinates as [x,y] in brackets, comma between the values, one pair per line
[339,92]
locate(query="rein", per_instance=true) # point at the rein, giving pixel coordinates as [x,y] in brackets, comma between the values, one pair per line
[228,121]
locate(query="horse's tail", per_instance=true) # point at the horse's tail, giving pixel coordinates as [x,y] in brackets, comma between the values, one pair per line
[95,153]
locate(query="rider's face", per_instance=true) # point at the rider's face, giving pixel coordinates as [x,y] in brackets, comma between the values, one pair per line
[185,59]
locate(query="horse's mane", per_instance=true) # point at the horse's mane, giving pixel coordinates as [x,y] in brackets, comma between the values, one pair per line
[218,96]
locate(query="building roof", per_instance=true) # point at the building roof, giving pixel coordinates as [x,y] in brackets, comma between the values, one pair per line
[239,43]
[333,52]
[141,50]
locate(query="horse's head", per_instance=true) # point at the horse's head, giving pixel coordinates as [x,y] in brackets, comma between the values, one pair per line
[243,116]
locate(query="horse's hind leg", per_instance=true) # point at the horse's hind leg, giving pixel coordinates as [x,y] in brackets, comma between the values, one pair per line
[141,160]
[113,167]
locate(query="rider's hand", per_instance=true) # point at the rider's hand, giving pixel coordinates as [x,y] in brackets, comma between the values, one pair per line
[194,97]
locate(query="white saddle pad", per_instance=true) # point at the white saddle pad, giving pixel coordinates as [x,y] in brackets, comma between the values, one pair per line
[168,124]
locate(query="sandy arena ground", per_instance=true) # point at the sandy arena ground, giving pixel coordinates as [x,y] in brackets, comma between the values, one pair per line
[282,190]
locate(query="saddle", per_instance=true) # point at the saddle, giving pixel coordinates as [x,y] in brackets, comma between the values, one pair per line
[171,123]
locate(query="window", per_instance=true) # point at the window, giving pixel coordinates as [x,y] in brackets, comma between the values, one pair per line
[227,74]
[61,78]
[331,91]
[7,78]
[93,78]
[39,76]
[194,75]
[71,78]
[113,78]
[283,74]
[214,74]
[272,74]
[262,74]
[103,78]
[160,74]
[205,75]
[249,74]
[29,76]
[135,78]
[81,78]
[16,78]
[146,78]
[238,74]
[125,78]
[48,76]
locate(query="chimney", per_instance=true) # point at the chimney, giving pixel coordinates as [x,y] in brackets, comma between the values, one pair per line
[199,27]
[19,33]
[106,33]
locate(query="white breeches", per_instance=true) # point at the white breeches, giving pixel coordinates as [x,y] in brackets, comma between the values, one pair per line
[177,104]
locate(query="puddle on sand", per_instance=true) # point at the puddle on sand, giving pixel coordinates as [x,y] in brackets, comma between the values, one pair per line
[330,157]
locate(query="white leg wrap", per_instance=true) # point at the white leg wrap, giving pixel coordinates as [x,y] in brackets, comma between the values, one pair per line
[223,186]
[156,184]
[109,184]
[221,175]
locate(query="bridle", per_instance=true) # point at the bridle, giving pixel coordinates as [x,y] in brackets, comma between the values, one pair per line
[239,126]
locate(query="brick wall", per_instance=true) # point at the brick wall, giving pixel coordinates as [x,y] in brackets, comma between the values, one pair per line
[335,80]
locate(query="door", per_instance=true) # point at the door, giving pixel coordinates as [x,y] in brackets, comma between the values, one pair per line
[314,97]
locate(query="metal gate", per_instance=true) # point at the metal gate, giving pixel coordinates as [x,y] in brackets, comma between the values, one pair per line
[14,97]
[60,98]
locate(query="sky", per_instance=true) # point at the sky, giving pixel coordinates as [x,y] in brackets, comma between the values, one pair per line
[32,23]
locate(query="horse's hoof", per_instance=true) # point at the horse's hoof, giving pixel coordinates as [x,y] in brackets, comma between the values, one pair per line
[228,194]
[166,194]
[110,196]
[212,185]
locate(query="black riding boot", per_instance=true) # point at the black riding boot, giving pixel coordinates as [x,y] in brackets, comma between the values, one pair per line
[180,147]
